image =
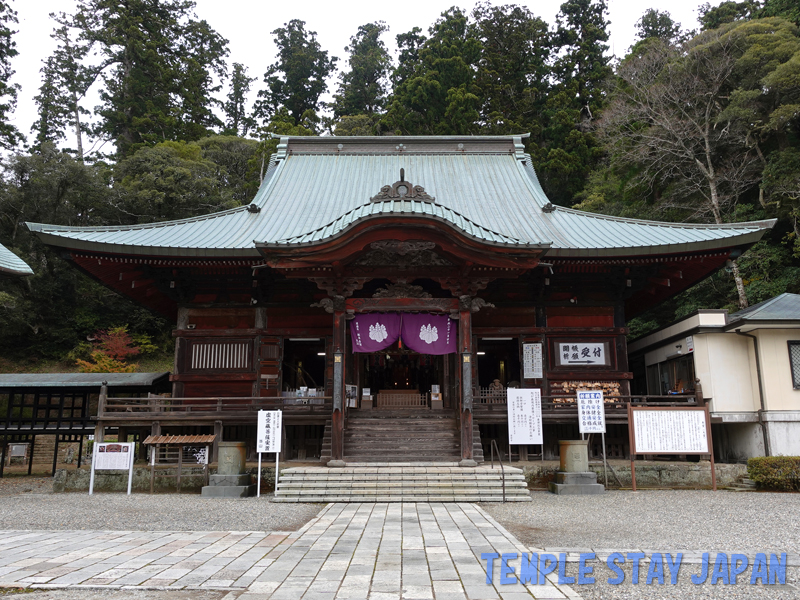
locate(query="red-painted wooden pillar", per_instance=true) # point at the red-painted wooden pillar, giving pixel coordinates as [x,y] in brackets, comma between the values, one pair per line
[337,417]
[465,357]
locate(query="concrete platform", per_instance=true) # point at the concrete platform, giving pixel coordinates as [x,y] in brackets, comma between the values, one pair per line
[576,484]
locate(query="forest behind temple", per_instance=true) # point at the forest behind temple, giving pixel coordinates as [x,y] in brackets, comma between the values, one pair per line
[697,126]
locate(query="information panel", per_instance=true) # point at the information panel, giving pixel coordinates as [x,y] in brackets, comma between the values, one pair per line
[524,416]
[532,361]
[591,412]
[671,431]
[268,435]
[113,456]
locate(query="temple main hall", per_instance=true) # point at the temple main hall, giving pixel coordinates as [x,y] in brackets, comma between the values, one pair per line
[385,292]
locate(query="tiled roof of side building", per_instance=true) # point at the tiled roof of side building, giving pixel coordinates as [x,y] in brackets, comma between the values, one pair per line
[485,186]
[11,264]
[785,307]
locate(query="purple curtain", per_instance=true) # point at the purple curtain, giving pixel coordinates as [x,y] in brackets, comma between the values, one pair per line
[429,334]
[372,332]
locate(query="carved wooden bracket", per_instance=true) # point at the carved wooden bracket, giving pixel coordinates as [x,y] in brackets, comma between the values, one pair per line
[341,286]
[461,287]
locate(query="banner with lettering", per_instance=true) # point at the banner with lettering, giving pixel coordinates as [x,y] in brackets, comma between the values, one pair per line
[429,334]
[372,332]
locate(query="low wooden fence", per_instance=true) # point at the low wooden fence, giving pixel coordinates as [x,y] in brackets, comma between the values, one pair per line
[401,400]
[160,407]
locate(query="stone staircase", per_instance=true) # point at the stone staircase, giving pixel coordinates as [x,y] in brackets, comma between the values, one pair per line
[392,436]
[745,485]
[401,482]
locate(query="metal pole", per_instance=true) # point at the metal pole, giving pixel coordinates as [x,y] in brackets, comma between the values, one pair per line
[605,464]
[277,457]
[258,477]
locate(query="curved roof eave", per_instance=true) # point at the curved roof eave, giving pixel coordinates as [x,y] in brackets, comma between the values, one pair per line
[11,264]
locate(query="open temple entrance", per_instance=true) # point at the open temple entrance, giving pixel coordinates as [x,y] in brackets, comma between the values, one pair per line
[399,378]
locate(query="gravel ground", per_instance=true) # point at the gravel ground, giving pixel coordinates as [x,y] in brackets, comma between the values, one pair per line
[28,503]
[662,521]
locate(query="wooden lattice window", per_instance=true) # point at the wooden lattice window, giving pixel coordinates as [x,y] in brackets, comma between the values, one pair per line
[220,355]
[794,361]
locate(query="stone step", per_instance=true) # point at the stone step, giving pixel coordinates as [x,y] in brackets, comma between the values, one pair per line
[326,499]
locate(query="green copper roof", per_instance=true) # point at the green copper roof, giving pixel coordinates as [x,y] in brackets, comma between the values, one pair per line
[785,307]
[484,186]
[11,264]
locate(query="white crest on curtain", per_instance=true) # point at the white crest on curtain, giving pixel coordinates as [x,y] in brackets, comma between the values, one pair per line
[428,333]
[377,332]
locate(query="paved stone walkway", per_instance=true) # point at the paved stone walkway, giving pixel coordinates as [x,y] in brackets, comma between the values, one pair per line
[349,551]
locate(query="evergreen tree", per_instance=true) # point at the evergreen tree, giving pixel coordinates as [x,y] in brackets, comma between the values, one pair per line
[512,71]
[158,64]
[299,77]
[439,97]
[237,120]
[9,135]
[657,24]
[362,89]
[569,150]
[65,82]
[712,17]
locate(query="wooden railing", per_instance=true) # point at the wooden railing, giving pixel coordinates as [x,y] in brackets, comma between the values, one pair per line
[492,396]
[159,407]
[401,400]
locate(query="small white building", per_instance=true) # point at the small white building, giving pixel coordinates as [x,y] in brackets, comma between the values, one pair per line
[748,365]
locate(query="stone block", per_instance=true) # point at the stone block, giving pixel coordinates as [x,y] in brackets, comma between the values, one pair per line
[576,489]
[228,491]
[229,480]
[586,478]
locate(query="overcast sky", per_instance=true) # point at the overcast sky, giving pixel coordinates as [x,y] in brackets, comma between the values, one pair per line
[247,23]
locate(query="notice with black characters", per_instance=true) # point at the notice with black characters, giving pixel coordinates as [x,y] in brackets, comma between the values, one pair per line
[532,361]
[670,431]
[524,416]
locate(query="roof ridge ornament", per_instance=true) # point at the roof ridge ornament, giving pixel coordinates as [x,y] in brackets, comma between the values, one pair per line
[401,190]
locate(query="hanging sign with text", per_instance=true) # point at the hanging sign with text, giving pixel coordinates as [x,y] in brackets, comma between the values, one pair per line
[268,435]
[591,412]
[581,353]
[524,416]
[532,361]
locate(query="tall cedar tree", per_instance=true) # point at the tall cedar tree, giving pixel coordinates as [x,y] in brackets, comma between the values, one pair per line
[158,64]
[362,89]
[237,119]
[438,94]
[512,71]
[9,135]
[298,78]
[569,150]
[66,78]
[712,17]
[657,24]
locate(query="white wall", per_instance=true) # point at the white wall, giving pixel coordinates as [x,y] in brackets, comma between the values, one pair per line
[776,369]
[725,365]
[784,437]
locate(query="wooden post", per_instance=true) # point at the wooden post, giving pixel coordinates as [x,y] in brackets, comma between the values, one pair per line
[30,458]
[337,417]
[55,455]
[465,343]
[632,446]
[217,440]
[180,465]
[3,447]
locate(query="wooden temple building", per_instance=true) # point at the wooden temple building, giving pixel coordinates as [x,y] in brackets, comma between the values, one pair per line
[385,291]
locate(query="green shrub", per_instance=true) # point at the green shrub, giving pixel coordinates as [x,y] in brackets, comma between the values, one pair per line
[775,472]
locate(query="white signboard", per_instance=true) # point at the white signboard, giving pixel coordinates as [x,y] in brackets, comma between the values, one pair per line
[591,412]
[524,416]
[582,353]
[112,456]
[532,361]
[670,431]
[689,343]
[268,435]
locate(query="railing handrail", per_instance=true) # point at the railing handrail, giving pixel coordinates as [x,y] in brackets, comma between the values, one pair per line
[502,469]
